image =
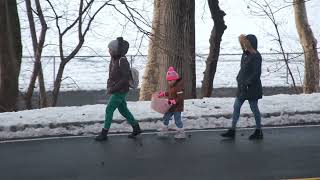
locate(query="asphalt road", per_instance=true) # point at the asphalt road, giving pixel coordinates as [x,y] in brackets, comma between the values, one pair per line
[284,153]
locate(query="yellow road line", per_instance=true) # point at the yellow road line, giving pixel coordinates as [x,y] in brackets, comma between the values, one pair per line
[316,178]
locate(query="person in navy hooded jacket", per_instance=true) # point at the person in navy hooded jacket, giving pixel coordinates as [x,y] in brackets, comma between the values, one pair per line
[249,85]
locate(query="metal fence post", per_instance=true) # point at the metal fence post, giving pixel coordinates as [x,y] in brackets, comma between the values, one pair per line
[287,72]
[54,69]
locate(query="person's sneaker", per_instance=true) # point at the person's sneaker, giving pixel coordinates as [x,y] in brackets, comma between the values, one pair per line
[231,133]
[180,134]
[163,131]
[103,135]
[257,135]
[136,131]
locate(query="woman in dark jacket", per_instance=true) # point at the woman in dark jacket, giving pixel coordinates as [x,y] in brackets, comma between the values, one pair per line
[118,87]
[249,85]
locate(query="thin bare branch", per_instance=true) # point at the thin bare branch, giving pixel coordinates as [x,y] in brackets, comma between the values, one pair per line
[129,9]
[43,30]
[132,20]
[32,24]
[59,30]
[78,18]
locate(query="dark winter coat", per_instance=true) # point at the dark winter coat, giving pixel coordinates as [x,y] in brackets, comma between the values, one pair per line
[119,72]
[249,82]
[176,92]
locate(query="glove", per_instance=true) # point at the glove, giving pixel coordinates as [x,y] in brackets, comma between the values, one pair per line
[172,102]
[161,94]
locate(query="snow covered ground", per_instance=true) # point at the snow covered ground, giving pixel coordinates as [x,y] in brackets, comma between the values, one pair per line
[199,114]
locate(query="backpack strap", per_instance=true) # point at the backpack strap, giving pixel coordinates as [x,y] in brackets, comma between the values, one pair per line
[120,60]
[129,67]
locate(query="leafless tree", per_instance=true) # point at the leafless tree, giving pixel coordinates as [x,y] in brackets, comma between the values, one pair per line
[215,39]
[265,8]
[80,24]
[84,15]
[37,49]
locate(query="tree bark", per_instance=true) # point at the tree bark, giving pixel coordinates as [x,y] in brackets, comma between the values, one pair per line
[37,49]
[309,45]
[10,55]
[57,84]
[215,40]
[151,73]
[177,48]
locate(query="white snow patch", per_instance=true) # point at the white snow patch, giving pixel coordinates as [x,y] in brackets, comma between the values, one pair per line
[198,114]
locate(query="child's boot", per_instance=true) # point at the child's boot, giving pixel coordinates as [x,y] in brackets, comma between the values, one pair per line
[136,131]
[103,135]
[163,131]
[180,134]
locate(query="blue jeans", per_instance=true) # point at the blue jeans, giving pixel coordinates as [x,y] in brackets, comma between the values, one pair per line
[254,108]
[177,118]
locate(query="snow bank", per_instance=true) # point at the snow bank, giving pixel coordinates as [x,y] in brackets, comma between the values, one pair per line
[199,114]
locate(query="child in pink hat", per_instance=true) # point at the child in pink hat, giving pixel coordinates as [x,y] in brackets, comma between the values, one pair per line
[176,99]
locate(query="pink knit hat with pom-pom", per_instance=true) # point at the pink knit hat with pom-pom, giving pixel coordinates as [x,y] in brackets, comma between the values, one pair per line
[172,74]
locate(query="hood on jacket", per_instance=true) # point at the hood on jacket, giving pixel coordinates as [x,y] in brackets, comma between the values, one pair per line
[119,47]
[248,42]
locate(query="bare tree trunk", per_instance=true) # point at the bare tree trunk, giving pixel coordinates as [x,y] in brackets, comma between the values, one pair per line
[309,45]
[151,73]
[29,93]
[215,40]
[10,55]
[37,48]
[177,48]
[57,84]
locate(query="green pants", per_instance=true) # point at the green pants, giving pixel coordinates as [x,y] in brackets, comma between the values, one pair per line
[118,100]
